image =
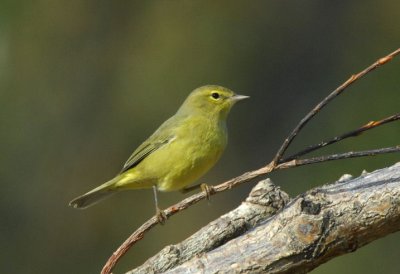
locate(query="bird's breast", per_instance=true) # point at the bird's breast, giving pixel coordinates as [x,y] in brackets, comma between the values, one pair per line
[191,154]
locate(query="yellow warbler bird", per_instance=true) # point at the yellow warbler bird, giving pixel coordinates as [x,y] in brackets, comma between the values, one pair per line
[179,152]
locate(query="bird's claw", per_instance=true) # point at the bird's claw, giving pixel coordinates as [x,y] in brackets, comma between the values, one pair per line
[161,216]
[208,190]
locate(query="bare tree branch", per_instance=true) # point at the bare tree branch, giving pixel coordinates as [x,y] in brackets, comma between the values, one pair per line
[313,228]
[275,164]
[370,125]
[330,97]
[346,155]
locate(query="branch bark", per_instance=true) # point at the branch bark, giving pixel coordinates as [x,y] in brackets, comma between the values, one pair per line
[313,228]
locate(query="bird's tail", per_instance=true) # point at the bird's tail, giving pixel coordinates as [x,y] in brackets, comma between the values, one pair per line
[95,195]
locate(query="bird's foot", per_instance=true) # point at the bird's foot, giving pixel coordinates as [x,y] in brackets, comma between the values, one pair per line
[161,216]
[209,190]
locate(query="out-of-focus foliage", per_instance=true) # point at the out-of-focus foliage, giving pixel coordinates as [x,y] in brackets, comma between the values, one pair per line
[82,83]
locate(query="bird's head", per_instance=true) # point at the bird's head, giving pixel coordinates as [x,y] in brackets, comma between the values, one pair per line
[211,100]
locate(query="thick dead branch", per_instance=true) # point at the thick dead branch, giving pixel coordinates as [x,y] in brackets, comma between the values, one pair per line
[315,227]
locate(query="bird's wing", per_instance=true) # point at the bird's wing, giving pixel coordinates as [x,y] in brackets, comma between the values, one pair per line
[142,152]
[160,138]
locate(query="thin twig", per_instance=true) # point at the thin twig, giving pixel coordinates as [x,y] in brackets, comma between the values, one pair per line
[353,133]
[272,166]
[336,92]
[340,156]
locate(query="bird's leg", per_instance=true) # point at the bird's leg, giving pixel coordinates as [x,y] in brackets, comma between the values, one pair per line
[209,190]
[161,217]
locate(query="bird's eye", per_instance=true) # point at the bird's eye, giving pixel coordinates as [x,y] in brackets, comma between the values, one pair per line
[215,95]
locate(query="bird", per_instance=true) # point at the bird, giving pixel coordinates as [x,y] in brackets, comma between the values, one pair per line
[179,152]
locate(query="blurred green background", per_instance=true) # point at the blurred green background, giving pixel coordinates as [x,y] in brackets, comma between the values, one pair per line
[82,83]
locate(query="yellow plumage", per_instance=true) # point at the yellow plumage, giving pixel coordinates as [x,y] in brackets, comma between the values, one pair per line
[183,149]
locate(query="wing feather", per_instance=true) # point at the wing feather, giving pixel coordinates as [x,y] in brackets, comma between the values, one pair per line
[160,138]
[142,152]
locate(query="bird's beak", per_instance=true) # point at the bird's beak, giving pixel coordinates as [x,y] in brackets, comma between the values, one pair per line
[237,97]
